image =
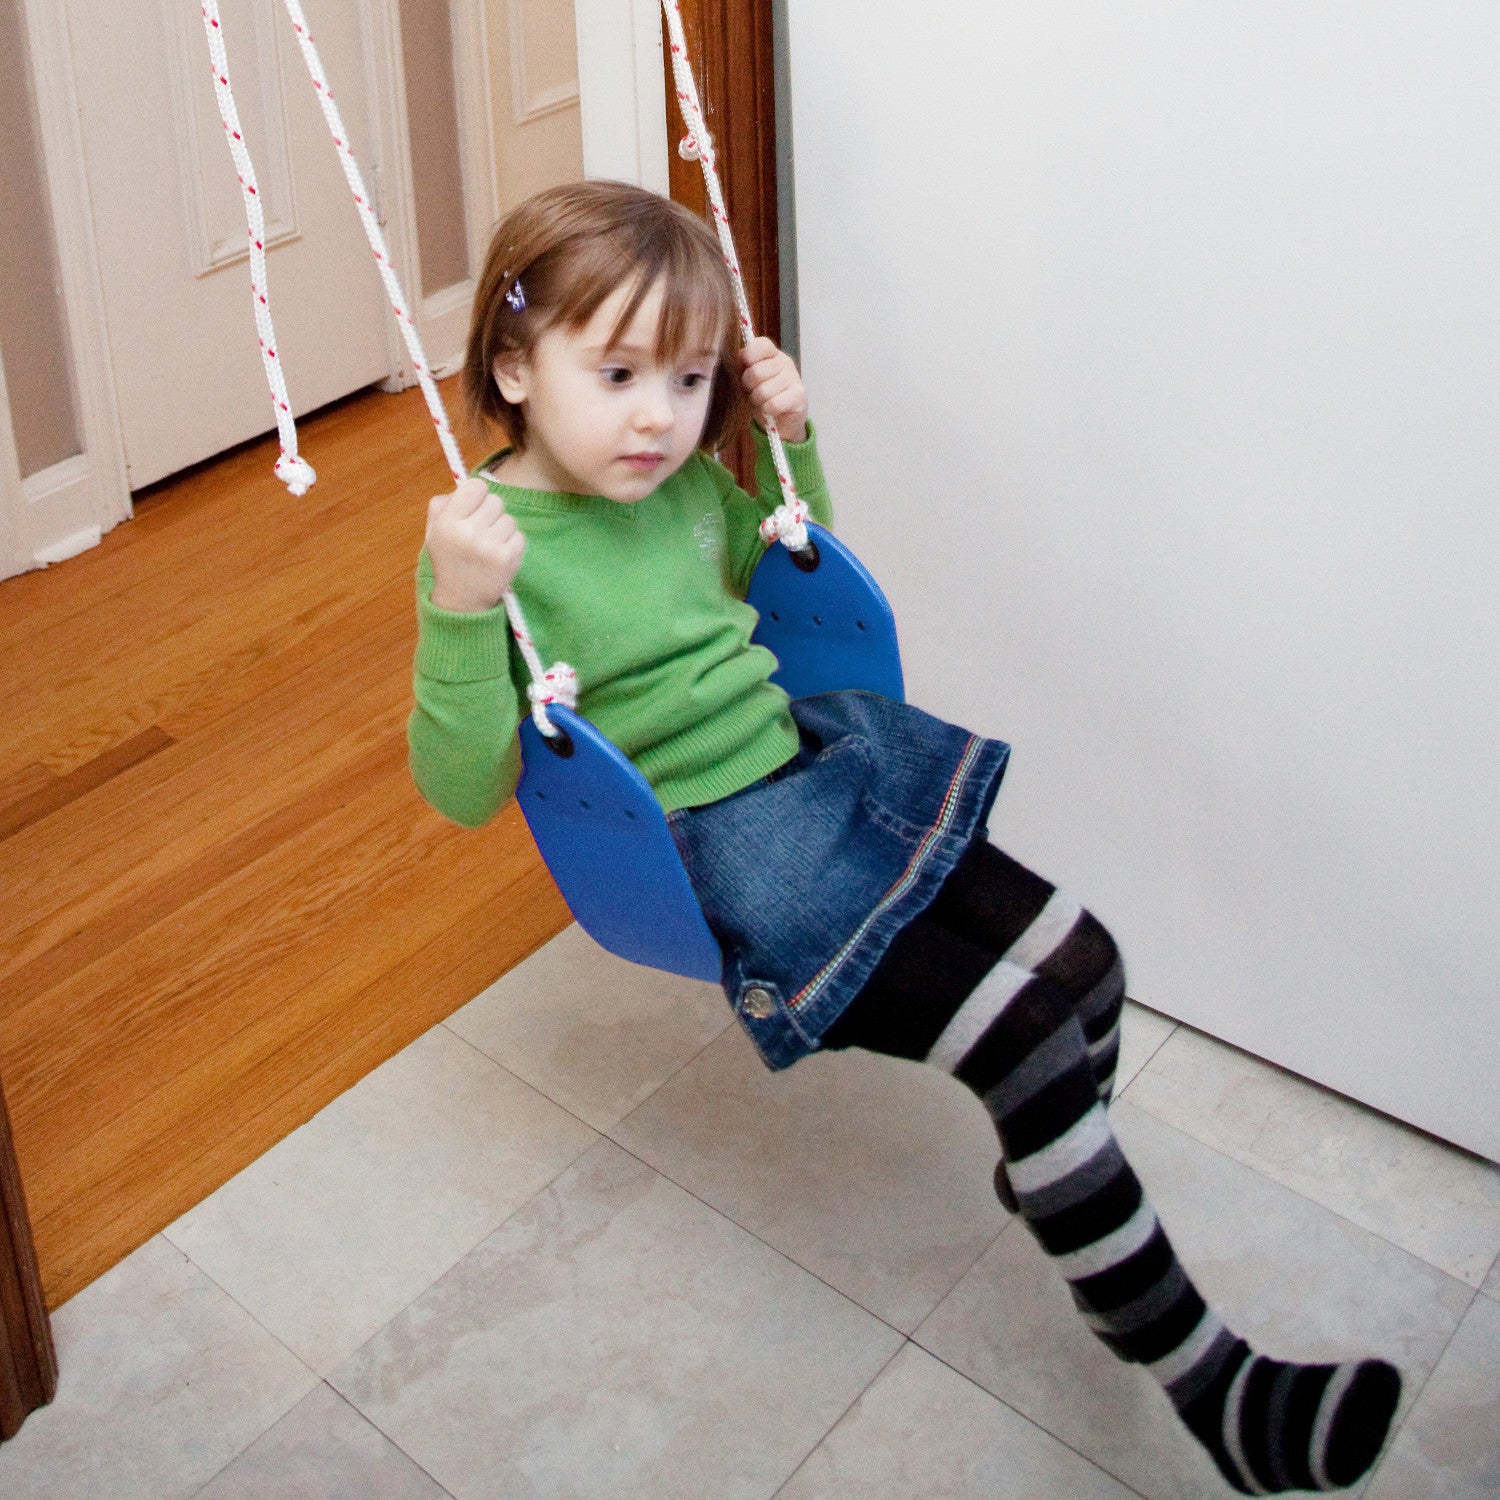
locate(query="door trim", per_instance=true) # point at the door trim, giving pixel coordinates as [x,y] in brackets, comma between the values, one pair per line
[67,507]
[443,318]
[624,114]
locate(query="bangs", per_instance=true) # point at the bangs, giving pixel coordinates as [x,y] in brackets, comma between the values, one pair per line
[697,303]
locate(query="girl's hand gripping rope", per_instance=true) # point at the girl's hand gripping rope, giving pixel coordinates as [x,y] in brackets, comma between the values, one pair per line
[475,548]
[775,389]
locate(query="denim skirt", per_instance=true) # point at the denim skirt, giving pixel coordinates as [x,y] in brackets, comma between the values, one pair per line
[806,875]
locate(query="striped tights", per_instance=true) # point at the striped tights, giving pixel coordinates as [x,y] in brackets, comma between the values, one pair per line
[1011,987]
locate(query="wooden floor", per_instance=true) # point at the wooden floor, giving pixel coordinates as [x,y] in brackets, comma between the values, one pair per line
[221,900]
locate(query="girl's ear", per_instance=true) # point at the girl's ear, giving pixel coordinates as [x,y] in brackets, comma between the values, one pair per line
[509,371]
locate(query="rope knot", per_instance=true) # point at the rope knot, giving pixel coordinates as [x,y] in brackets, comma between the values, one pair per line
[558,684]
[295,473]
[787,524]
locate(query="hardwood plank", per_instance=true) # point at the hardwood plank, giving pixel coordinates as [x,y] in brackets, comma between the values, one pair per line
[59,791]
[122,691]
[150,1172]
[169,810]
[270,926]
[23,782]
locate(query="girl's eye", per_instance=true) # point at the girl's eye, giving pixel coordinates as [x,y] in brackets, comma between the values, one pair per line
[692,380]
[616,374]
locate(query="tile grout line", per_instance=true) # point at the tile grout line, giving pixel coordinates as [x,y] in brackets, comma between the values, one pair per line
[760,1239]
[469,1250]
[1301,1193]
[317,1378]
[1417,1393]
[905,1337]
[338,1395]
[775,1250]
[1030,1421]
[802,1462]
[655,1089]
[1150,1056]
[1458,1281]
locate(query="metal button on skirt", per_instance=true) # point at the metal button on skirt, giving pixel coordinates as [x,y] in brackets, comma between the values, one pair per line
[806,875]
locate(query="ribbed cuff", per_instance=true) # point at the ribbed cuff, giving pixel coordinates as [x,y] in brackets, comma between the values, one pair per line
[454,646]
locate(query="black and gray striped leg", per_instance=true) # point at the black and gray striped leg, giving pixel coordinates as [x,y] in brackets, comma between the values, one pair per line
[996,902]
[1015,1038]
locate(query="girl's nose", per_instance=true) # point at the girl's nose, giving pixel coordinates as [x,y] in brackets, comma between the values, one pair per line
[653,412]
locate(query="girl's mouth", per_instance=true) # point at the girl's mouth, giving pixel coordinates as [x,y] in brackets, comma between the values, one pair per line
[644,462]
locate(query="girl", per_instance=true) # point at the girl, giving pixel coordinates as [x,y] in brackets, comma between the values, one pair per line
[837,843]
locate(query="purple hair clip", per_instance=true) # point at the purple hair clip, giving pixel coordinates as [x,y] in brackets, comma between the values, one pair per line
[516,297]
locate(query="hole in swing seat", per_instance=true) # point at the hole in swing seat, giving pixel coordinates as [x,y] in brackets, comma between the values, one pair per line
[774,615]
[817,619]
[860,624]
[583,802]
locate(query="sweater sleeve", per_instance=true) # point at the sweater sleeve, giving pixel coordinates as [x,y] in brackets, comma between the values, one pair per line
[743,512]
[464,752]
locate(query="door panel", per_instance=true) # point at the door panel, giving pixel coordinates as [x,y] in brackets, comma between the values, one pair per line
[170,230]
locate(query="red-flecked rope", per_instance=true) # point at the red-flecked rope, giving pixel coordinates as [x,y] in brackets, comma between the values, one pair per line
[294,471]
[555,684]
[789,521]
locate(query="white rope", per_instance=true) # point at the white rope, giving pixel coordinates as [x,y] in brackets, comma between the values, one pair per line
[376,238]
[788,523]
[555,684]
[293,471]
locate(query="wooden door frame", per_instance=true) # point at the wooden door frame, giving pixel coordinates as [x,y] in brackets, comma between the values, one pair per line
[731,46]
[630,117]
[28,1360]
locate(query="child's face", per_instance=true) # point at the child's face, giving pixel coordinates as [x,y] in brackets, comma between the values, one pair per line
[605,419]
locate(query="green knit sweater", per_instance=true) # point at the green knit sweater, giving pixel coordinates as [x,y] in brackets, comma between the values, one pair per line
[646,602]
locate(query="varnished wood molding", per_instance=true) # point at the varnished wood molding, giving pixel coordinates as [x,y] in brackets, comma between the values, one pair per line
[732,49]
[28,1361]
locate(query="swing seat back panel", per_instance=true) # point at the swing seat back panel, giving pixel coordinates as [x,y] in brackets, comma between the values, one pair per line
[606,842]
[597,822]
[829,629]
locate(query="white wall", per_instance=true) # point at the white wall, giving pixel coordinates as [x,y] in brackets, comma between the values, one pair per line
[1176,327]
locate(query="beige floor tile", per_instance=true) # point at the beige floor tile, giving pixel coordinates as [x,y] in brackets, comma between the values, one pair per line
[873,1173]
[923,1430]
[1295,1279]
[593,1032]
[1432,1199]
[616,1338]
[163,1381]
[323,1450]
[334,1230]
[1142,1034]
[1449,1448]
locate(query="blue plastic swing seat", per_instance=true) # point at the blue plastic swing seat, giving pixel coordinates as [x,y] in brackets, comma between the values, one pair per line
[594,816]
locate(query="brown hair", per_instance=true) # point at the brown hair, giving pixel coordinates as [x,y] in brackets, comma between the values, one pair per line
[570,248]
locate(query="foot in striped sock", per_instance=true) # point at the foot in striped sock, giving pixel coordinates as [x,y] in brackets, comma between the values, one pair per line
[1273,1427]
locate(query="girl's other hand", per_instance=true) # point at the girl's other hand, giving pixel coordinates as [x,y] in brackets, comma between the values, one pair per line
[775,389]
[475,548]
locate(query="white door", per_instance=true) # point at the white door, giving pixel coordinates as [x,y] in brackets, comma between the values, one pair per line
[1175,330]
[170,227]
